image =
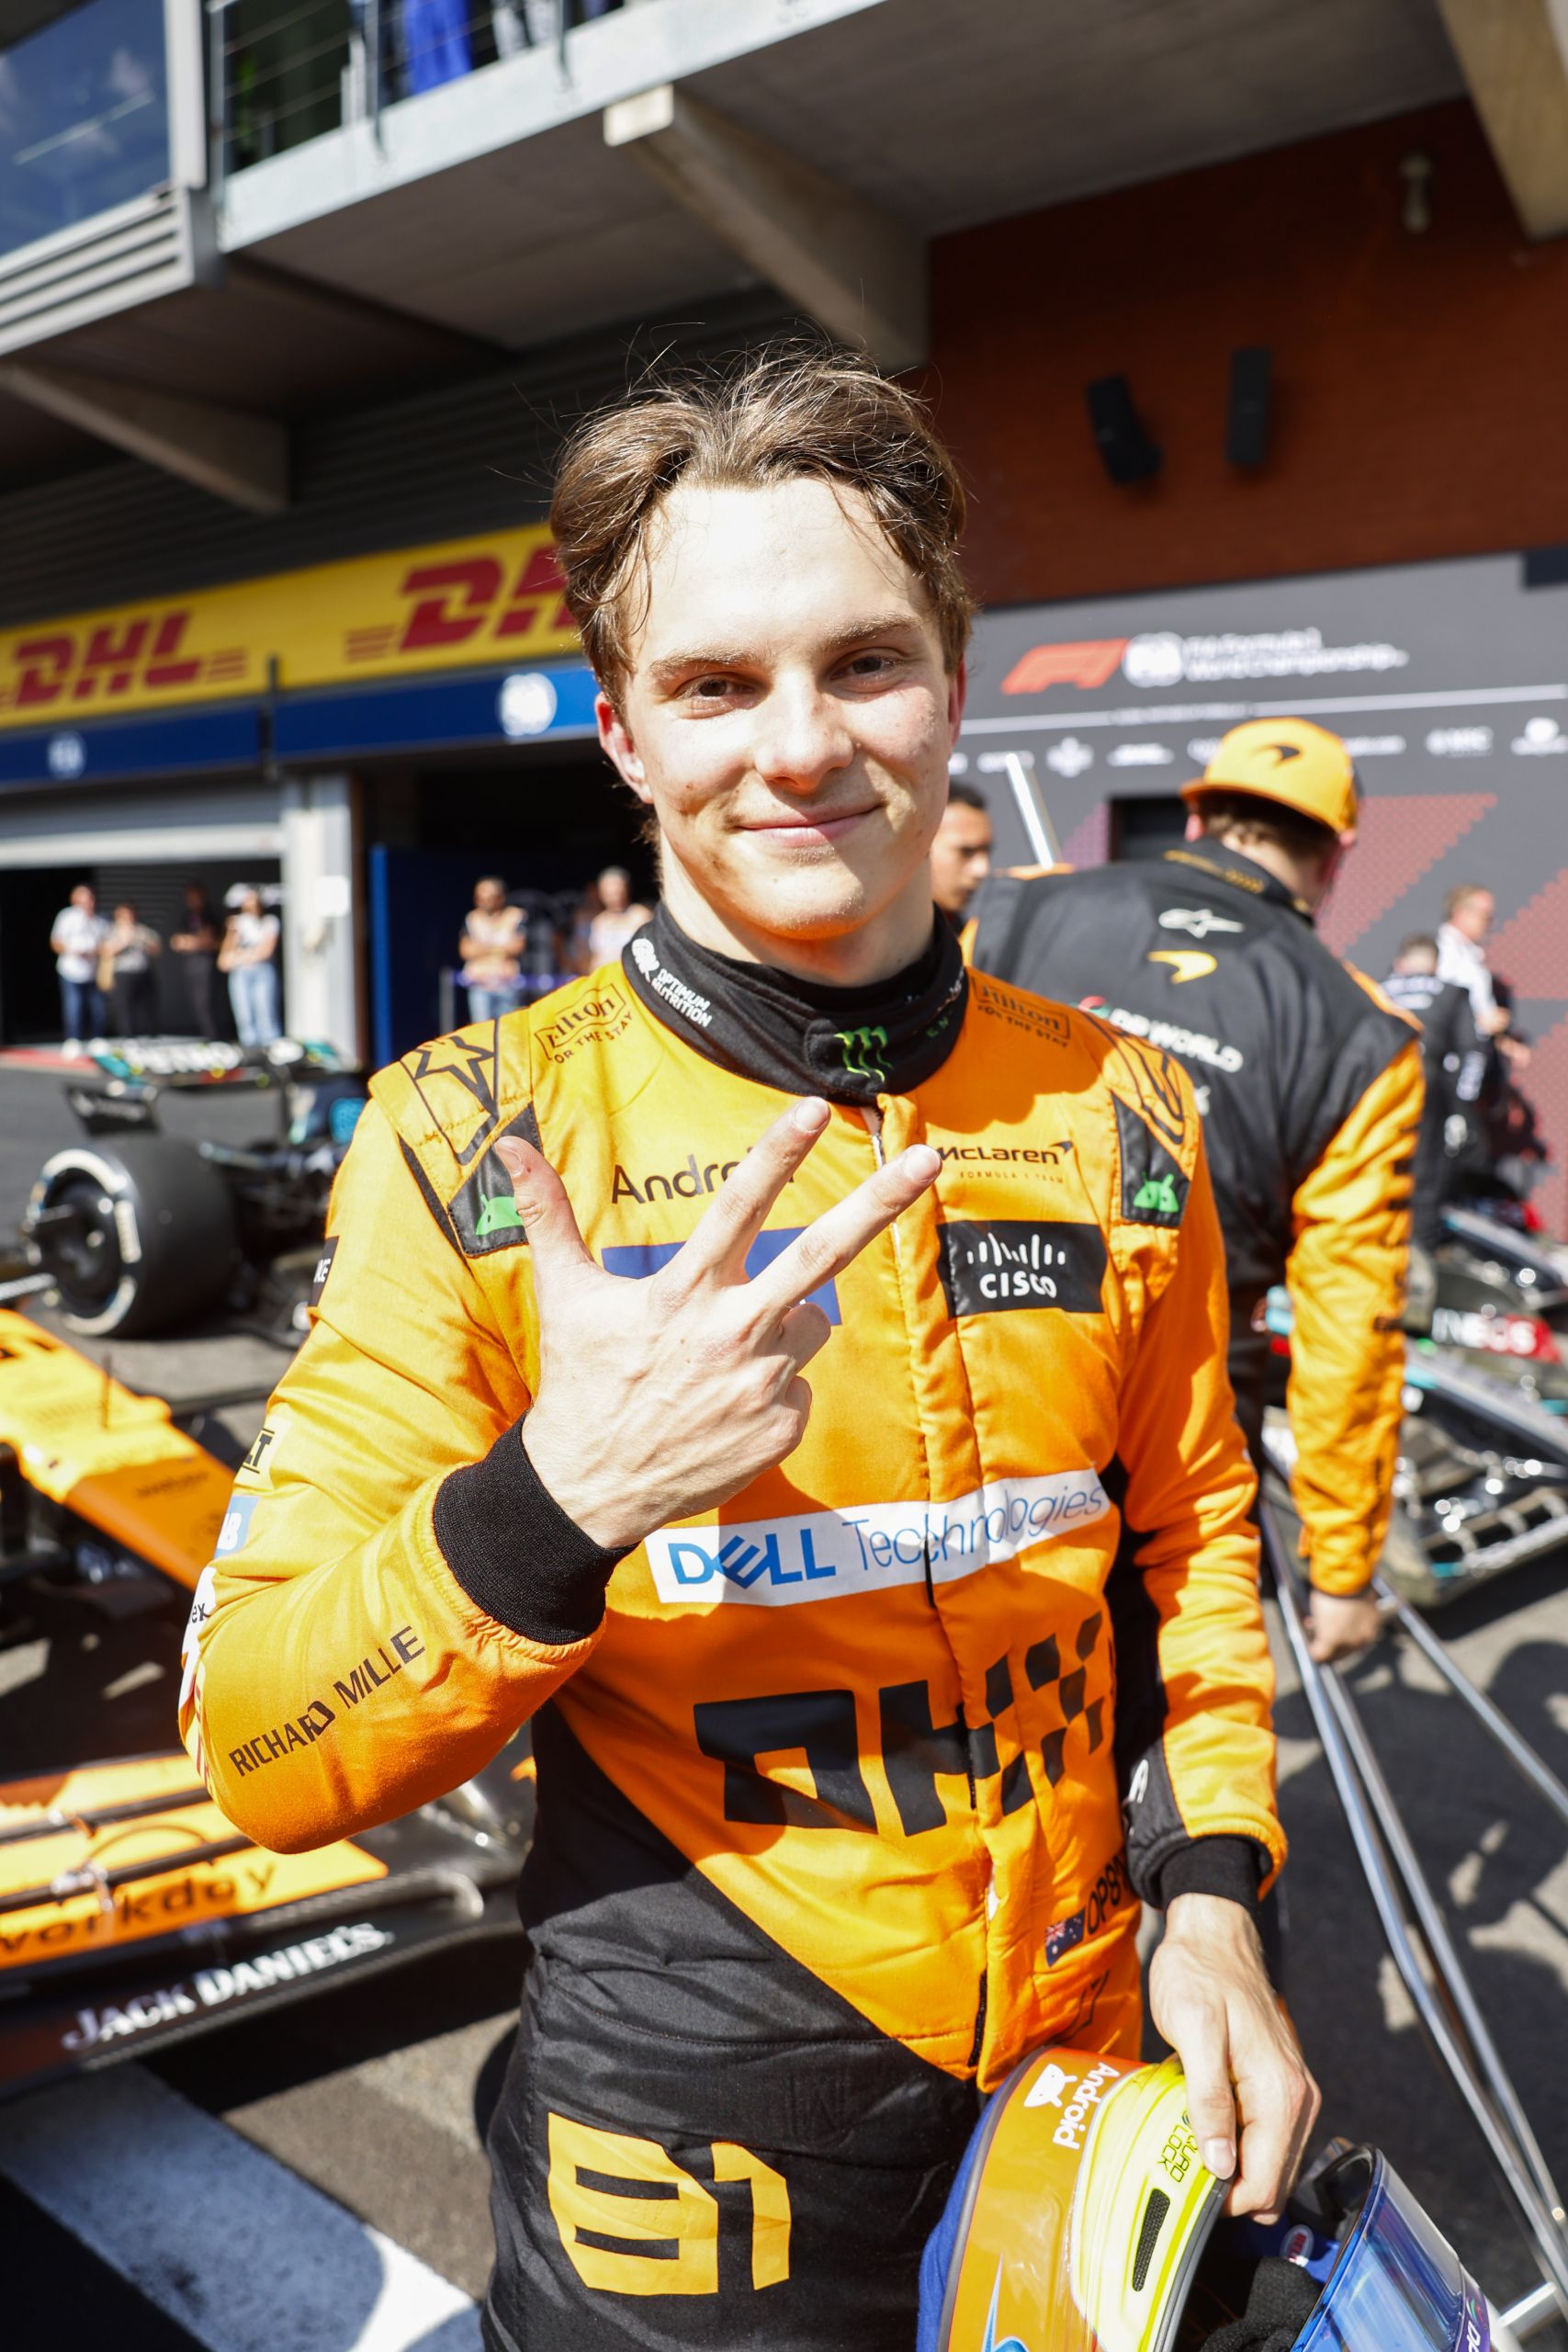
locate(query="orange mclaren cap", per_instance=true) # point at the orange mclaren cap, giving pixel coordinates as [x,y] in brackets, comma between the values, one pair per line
[1288,760]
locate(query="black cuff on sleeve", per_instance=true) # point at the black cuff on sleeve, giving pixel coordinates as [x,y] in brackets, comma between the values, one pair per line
[515,1550]
[1231,1867]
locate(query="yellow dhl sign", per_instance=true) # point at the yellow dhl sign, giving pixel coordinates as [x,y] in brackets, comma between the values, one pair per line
[461,604]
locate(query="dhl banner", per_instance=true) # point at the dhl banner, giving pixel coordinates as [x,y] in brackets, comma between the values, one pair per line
[464,604]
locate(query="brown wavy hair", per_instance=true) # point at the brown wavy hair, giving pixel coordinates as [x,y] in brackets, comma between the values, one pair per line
[774,415]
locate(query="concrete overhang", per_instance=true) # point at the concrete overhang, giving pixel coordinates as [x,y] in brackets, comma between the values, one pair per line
[490,216]
[494,206]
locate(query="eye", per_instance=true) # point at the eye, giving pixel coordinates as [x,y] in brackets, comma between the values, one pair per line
[713,688]
[877,662]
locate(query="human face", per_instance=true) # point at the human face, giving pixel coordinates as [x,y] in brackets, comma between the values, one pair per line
[1473,915]
[488,898]
[85,897]
[961,856]
[787,716]
[613,895]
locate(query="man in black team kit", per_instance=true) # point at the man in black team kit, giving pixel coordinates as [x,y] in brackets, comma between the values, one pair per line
[1311,1088]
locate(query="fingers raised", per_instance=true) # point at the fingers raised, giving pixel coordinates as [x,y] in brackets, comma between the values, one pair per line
[729,1227]
[839,1235]
[554,1238]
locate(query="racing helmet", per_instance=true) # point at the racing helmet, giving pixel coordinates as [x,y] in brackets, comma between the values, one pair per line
[1289,760]
[1082,2220]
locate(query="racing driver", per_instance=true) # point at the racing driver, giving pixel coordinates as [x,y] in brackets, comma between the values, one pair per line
[792,1375]
[1310,1084]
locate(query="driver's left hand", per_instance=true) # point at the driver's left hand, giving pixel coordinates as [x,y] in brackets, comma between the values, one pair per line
[1249,2096]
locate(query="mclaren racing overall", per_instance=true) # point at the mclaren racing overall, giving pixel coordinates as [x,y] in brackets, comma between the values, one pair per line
[847,1793]
[1310,1085]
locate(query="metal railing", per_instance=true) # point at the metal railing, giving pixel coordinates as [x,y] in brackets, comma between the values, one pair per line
[1417,1935]
[283,72]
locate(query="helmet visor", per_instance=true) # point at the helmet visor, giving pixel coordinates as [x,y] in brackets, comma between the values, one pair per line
[1398,2286]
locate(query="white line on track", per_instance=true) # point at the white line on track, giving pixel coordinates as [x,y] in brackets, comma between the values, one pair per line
[217,2234]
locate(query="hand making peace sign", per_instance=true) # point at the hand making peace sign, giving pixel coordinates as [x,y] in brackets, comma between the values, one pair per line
[666,1395]
[662,1397]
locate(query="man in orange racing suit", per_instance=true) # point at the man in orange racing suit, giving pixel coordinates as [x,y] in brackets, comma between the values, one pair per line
[1311,1088]
[864,1711]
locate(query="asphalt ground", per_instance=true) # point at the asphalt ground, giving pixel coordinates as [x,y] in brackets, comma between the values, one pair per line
[375,2094]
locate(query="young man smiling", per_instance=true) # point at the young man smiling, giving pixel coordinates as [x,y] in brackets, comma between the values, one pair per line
[864,1708]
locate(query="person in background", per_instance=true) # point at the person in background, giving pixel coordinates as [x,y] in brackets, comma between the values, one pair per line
[619,916]
[133,995]
[249,957]
[77,937]
[493,938]
[1453,1060]
[579,941]
[1310,1087]
[961,853]
[1469,912]
[196,946]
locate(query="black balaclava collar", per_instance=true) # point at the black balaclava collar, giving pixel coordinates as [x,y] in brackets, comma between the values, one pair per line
[851,1045]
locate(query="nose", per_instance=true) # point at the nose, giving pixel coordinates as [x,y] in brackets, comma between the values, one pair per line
[801,738]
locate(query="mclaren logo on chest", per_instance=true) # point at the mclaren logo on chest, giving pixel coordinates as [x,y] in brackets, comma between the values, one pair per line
[870,1548]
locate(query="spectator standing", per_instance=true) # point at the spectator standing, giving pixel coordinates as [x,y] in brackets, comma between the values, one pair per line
[131,945]
[493,938]
[1453,1061]
[961,853]
[196,946]
[1469,912]
[78,937]
[619,917]
[249,958]
[580,939]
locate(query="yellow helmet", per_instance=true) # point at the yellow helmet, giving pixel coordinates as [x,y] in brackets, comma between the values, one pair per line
[1289,760]
[1082,2220]
[1089,2209]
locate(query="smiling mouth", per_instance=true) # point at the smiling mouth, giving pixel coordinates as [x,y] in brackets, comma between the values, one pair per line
[825,824]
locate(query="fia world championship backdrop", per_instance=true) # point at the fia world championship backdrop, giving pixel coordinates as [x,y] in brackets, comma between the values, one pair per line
[1449,680]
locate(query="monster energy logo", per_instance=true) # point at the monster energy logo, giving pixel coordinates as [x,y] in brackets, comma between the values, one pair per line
[861,1051]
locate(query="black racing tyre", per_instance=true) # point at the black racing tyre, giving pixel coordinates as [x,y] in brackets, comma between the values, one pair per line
[138,1233]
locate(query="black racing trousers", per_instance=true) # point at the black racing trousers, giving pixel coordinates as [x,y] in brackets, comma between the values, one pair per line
[666,2189]
[697,2142]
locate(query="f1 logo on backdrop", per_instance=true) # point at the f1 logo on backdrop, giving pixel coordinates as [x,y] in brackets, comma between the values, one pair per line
[1088,664]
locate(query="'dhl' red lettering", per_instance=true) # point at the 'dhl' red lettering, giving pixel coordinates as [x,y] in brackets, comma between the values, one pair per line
[163,669]
[448,618]
[45,664]
[110,663]
[540,577]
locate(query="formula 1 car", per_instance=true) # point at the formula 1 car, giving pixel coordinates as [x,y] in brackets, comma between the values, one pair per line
[132,1912]
[1482,1482]
[139,1230]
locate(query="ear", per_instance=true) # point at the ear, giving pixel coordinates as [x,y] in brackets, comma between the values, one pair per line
[1194,827]
[615,740]
[957,696]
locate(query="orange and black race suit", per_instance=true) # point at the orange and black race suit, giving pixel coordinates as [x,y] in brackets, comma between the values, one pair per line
[847,1792]
[1310,1084]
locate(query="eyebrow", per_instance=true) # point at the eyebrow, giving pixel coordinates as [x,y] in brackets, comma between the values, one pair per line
[672,666]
